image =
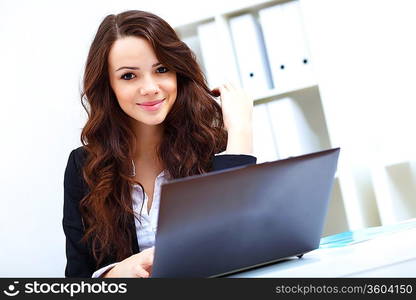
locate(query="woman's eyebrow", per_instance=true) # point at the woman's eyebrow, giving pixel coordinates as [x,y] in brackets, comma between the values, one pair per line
[137,68]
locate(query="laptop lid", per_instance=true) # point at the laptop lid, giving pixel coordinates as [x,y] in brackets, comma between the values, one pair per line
[231,220]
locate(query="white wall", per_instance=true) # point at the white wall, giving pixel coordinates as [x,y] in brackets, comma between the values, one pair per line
[43,49]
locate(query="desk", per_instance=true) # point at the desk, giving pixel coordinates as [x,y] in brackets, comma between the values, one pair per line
[387,251]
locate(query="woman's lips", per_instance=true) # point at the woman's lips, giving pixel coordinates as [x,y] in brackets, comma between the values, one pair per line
[151,105]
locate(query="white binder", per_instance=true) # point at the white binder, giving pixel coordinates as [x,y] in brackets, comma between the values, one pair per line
[211,56]
[300,60]
[285,119]
[192,42]
[274,33]
[250,54]
[286,46]
[264,144]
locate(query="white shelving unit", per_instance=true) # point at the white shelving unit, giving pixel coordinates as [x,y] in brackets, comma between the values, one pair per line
[396,190]
[290,113]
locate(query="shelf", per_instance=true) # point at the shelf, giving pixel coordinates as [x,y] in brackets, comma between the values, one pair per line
[278,93]
[395,187]
[295,119]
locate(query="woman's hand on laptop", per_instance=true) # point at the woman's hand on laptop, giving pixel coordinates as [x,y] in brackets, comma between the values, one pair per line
[137,265]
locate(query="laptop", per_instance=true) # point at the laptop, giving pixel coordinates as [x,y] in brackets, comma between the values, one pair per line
[229,221]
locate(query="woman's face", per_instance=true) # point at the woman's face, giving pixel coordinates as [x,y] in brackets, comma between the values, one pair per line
[145,89]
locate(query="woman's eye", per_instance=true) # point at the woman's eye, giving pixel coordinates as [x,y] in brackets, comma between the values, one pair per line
[164,69]
[128,77]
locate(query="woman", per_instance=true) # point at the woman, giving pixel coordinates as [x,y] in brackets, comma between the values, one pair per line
[151,118]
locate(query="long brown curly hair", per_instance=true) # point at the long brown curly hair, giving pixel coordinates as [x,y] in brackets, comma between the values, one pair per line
[193,130]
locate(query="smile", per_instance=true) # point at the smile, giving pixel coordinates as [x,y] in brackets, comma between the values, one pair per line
[151,106]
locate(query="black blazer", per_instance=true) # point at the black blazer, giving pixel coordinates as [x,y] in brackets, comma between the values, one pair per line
[80,262]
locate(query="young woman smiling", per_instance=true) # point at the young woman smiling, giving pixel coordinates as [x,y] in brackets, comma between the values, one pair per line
[151,118]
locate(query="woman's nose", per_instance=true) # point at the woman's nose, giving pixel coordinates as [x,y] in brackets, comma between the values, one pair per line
[148,86]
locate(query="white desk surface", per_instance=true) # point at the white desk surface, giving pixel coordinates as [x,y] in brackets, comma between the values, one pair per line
[392,254]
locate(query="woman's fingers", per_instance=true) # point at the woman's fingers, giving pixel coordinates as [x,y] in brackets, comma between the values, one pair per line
[230,85]
[236,92]
[236,105]
[146,263]
[137,265]
[143,269]
[142,273]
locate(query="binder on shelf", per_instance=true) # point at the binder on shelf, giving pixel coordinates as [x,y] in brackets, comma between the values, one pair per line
[298,123]
[274,32]
[192,41]
[216,52]
[264,145]
[285,116]
[250,54]
[300,58]
[286,46]
[211,56]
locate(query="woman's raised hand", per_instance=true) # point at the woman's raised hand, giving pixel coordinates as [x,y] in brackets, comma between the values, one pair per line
[237,106]
[237,110]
